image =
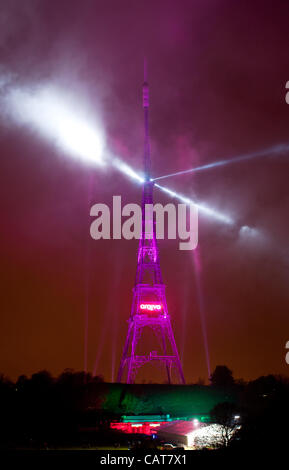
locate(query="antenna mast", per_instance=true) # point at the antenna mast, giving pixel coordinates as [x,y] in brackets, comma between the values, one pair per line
[149,306]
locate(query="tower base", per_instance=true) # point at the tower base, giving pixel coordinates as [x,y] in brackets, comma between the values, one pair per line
[131,361]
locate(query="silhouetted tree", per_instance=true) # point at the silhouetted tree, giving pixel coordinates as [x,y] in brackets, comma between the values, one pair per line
[7,409]
[222,377]
[227,416]
[267,412]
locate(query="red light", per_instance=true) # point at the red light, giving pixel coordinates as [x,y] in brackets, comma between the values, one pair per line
[131,428]
[149,307]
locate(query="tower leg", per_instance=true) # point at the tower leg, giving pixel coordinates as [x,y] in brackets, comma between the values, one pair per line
[132,354]
[124,354]
[165,353]
[175,352]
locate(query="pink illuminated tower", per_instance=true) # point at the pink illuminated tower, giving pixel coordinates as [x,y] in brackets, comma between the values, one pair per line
[149,308]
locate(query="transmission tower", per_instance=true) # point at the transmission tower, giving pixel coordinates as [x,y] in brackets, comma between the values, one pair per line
[149,307]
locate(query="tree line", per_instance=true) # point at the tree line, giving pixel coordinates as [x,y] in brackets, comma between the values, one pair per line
[43,409]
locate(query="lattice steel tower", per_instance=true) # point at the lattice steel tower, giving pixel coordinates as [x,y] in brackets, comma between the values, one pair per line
[149,307]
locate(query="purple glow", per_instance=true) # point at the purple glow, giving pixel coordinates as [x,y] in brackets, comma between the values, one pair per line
[149,290]
[200,297]
[87,280]
[151,307]
[279,149]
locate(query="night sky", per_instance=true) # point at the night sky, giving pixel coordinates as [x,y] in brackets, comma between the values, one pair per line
[217,74]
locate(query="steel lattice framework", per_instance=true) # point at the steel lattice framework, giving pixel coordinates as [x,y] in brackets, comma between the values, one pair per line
[149,307]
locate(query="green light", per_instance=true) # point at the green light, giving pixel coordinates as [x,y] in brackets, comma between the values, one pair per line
[145,418]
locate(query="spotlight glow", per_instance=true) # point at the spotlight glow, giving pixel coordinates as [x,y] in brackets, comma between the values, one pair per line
[275,150]
[206,210]
[207,436]
[250,233]
[127,170]
[59,118]
[80,139]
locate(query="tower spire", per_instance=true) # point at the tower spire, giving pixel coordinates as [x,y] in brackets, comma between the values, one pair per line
[149,307]
[145,101]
